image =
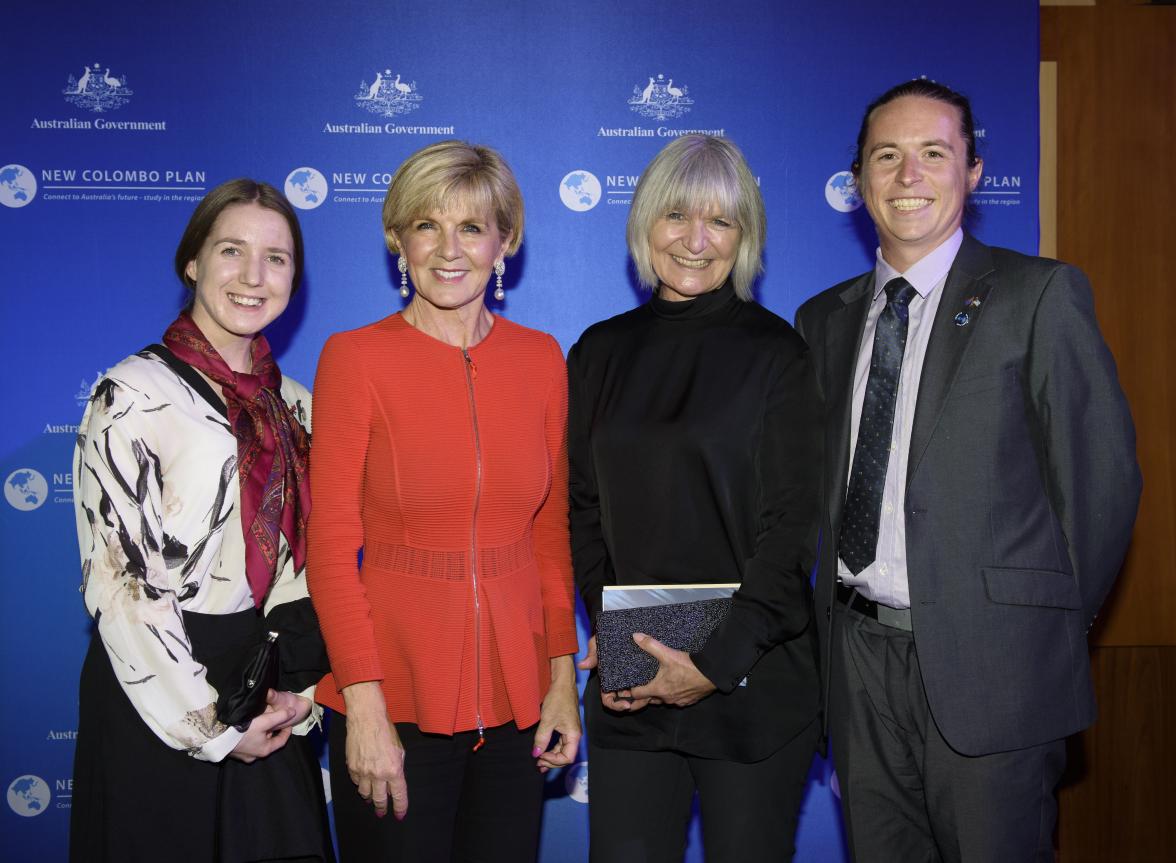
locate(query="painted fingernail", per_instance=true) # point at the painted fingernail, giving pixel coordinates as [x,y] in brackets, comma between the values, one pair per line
[380,814]
[536,752]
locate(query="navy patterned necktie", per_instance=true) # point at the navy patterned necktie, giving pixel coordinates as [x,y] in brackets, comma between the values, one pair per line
[863,503]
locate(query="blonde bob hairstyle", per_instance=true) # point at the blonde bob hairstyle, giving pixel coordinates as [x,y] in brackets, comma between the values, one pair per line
[692,174]
[454,173]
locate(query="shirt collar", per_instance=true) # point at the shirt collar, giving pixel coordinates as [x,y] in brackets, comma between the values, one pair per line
[924,274]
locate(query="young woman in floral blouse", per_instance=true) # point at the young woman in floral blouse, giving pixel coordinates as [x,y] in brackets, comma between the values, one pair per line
[192,495]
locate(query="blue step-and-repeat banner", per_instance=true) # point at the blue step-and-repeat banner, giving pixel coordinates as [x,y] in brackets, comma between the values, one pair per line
[118,117]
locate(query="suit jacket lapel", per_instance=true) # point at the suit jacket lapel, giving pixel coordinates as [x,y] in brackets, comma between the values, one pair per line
[945,350]
[843,335]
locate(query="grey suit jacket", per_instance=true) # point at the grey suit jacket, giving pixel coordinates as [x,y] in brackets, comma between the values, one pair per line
[1022,489]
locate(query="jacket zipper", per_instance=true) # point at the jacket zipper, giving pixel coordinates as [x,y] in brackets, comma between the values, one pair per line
[471,373]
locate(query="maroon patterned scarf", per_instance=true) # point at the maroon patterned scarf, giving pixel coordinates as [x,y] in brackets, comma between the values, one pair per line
[272,451]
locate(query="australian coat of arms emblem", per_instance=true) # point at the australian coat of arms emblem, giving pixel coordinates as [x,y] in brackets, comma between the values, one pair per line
[97,90]
[660,99]
[388,96]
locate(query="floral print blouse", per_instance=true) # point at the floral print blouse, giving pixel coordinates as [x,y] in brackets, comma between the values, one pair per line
[156,498]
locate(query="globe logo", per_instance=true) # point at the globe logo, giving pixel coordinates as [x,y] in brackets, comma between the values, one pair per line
[306,188]
[28,795]
[576,781]
[18,186]
[25,489]
[841,192]
[580,191]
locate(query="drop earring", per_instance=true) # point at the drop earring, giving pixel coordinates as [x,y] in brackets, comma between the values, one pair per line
[402,265]
[499,293]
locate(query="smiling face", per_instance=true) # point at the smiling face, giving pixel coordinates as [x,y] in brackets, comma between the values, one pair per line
[915,178]
[243,273]
[693,253]
[451,254]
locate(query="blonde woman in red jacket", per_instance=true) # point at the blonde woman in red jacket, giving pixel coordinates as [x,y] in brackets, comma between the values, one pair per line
[440,458]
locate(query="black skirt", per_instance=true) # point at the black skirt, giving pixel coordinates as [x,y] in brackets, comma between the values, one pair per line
[137,799]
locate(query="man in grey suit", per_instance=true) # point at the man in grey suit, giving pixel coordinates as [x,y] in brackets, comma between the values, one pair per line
[980,490]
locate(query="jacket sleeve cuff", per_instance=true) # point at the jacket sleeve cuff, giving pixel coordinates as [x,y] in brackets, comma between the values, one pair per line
[562,642]
[356,671]
[314,719]
[218,748]
[726,658]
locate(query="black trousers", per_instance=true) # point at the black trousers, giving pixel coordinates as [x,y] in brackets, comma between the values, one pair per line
[905,793]
[640,803]
[465,806]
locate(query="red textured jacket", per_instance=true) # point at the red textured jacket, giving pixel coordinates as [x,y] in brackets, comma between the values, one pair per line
[449,470]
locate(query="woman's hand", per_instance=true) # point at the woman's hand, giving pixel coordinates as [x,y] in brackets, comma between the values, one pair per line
[289,701]
[375,755]
[611,700]
[266,734]
[622,701]
[678,681]
[589,661]
[560,712]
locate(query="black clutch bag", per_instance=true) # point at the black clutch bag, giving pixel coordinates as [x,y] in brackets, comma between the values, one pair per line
[244,696]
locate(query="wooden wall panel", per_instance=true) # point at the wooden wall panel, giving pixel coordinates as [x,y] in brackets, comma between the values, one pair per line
[1116,186]
[1116,804]
[1116,189]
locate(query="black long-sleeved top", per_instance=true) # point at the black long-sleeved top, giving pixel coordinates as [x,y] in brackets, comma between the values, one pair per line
[694,450]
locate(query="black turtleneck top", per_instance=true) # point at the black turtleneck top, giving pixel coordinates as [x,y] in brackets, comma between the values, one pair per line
[694,453]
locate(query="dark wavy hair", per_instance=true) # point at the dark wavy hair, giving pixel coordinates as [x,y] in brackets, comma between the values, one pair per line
[928,90]
[240,191]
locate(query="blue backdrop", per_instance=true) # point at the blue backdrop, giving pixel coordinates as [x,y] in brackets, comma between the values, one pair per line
[119,117]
